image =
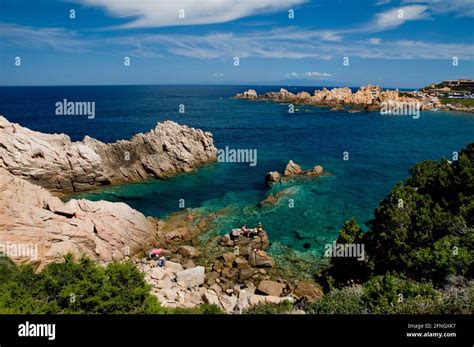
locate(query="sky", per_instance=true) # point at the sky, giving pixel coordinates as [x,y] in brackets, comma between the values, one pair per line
[392,43]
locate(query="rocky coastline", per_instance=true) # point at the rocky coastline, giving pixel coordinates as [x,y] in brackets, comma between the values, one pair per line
[233,273]
[61,166]
[366,98]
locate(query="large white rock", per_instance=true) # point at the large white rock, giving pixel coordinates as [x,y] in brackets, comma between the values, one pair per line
[191,277]
[157,273]
[105,231]
[173,267]
[210,297]
[228,302]
[54,162]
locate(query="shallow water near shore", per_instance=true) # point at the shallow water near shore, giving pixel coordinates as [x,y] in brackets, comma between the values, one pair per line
[381,150]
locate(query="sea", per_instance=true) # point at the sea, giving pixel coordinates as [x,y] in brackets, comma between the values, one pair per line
[365,154]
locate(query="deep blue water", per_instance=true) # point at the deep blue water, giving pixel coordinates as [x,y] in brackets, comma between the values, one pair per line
[381,151]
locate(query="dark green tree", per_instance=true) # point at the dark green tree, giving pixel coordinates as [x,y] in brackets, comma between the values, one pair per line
[423,229]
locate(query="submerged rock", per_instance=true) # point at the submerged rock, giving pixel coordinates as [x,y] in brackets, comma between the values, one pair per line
[275,198]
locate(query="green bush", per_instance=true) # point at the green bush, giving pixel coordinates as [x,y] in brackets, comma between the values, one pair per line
[392,295]
[7,268]
[80,287]
[348,300]
[465,102]
[268,308]
[201,309]
[77,287]
[383,294]
[423,229]
[345,270]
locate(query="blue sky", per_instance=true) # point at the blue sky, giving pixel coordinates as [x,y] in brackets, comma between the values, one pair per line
[398,43]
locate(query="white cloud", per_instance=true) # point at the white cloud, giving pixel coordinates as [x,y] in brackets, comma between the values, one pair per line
[291,43]
[148,13]
[462,8]
[395,17]
[30,37]
[385,20]
[309,74]
[285,43]
[316,74]
[282,43]
[375,40]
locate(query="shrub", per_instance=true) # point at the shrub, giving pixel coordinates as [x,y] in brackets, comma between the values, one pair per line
[78,287]
[347,300]
[269,308]
[423,229]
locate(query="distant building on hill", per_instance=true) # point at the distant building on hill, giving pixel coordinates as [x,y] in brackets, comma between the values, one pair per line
[461,88]
[462,83]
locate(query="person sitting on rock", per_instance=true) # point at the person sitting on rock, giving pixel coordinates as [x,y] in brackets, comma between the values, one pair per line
[244,230]
[260,253]
[161,262]
[256,232]
[235,234]
[154,253]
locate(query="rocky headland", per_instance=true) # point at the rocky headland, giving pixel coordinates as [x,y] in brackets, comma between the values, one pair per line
[55,162]
[367,98]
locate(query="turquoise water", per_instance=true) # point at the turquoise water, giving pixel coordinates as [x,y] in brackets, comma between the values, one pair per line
[381,151]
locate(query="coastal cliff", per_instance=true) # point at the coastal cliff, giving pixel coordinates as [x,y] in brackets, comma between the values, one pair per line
[55,162]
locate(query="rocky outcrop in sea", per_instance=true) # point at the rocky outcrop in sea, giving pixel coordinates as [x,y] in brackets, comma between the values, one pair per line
[55,162]
[293,170]
[366,98]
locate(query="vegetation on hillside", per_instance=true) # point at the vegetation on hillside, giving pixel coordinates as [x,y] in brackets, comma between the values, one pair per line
[79,286]
[385,295]
[423,230]
[465,102]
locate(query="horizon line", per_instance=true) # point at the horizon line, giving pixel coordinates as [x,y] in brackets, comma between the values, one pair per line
[203,85]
